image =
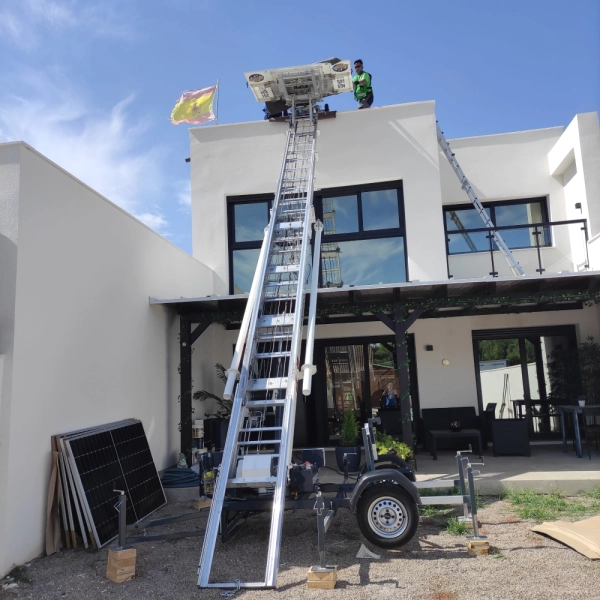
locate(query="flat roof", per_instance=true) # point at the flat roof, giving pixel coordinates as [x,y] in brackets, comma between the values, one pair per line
[453,297]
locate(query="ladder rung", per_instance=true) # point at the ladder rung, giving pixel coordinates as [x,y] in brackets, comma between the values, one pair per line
[275,320]
[272,383]
[284,269]
[289,225]
[251,429]
[265,355]
[252,482]
[271,337]
[258,442]
[265,403]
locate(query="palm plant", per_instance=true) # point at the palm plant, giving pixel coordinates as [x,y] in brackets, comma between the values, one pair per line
[224,406]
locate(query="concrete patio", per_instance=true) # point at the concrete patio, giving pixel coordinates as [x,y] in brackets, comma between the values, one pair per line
[547,469]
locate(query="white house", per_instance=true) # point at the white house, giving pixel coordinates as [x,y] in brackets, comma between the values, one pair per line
[81,343]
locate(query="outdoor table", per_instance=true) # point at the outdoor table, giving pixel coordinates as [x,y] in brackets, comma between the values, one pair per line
[448,433]
[576,411]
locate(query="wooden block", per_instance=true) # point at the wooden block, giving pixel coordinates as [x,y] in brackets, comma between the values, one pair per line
[200,503]
[121,562]
[478,547]
[121,553]
[120,575]
[321,580]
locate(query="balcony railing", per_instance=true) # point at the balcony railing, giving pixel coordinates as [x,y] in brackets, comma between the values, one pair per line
[537,237]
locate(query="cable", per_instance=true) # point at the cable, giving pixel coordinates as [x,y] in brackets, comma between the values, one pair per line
[174,477]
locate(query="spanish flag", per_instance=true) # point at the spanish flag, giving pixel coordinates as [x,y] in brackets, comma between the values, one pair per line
[195,107]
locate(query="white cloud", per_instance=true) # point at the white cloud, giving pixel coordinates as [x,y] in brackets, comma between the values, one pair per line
[154,221]
[107,151]
[23,22]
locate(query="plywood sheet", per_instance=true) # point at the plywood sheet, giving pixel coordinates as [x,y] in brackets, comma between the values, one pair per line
[582,536]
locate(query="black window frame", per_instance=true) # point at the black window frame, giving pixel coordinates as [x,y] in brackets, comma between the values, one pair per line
[361,234]
[232,244]
[490,207]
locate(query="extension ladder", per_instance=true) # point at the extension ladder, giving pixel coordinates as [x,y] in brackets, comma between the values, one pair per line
[515,267]
[256,455]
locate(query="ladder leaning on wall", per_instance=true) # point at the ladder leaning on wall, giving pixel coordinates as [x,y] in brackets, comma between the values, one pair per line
[513,264]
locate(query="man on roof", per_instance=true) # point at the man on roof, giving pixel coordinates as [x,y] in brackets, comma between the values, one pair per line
[363,92]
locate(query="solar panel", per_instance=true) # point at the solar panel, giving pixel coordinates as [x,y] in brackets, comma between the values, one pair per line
[113,457]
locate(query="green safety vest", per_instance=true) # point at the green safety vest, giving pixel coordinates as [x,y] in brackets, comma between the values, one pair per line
[364,88]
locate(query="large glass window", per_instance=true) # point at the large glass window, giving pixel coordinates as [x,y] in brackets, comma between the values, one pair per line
[247,218]
[363,241]
[460,221]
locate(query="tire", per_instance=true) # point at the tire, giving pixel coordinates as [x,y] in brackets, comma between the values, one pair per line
[387,515]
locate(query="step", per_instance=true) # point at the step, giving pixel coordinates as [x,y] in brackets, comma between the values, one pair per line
[273,337]
[272,383]
[252,482]
[259,442]
[283,269]
[275,320]
[265,403]
[267,355]
[261,429]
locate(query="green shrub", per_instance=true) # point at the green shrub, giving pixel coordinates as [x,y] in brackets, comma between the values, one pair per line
[387,444]
[349,431]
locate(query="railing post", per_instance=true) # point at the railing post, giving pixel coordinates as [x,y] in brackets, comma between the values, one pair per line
[537,233]
[493,272]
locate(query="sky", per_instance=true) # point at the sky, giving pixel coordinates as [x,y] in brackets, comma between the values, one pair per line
[91,84]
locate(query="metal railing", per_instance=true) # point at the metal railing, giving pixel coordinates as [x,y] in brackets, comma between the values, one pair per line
[540,237]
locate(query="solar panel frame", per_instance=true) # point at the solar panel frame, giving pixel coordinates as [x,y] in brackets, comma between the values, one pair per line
[115,456]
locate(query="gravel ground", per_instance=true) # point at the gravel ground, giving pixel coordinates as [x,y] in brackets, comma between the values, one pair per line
[433,566]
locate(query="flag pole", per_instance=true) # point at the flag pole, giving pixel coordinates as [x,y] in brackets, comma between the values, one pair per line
[218,94]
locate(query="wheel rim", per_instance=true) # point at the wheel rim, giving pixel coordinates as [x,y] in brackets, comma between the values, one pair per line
[388,517]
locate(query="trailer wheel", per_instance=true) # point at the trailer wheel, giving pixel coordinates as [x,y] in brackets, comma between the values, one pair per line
[387,515]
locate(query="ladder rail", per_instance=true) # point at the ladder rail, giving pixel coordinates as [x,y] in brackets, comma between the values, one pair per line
[513,264]
[289,412]
[308,368]
[233,371]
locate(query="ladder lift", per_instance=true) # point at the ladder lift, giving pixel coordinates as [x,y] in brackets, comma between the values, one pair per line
[256,473]
[267,354]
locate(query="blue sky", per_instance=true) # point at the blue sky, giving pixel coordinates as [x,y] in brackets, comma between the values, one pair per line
[91,84]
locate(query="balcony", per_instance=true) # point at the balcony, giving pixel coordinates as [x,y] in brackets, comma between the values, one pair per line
[542,248]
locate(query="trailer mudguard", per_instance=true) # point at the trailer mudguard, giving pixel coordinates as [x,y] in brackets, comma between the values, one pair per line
[379,476]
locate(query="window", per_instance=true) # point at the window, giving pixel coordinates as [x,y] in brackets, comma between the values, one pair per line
[247,218]
[460,220]
[363,235]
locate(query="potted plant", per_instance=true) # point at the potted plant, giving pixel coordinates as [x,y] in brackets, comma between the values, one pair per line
[348,443]
[387,444]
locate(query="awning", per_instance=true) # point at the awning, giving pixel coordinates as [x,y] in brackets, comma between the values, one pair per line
[440,299]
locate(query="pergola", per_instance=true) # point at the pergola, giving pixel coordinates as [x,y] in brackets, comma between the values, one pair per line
[398,306]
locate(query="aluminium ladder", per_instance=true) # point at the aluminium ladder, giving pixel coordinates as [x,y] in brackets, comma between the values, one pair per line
[255,455]
[515,267]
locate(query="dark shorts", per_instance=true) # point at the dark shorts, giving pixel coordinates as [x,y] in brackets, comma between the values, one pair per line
[366,101]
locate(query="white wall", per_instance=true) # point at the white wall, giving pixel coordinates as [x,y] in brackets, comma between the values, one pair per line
[357,147]
[88,347]
[506,167]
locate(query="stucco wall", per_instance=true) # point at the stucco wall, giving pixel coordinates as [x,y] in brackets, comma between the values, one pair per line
[357,147]
[88,348]
[10,155]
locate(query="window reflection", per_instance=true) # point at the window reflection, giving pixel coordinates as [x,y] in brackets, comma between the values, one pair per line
[380,210]
[340,215]
[363,262]
[250,221]
[244,265]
